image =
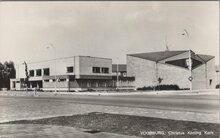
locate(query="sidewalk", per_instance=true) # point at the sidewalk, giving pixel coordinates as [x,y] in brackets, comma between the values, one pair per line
[182,92]
[35,130]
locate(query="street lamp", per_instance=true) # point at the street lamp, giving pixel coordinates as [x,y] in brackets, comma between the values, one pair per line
[189,65]
[189,60]
[50,45]
[117,75]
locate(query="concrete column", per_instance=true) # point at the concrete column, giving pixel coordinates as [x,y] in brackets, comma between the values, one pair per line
[11,84]
[30,85]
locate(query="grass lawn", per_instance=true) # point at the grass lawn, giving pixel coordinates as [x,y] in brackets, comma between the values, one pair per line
[131,125]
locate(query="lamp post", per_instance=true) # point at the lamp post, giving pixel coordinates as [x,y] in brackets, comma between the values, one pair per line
[117,75]
[190,70]
[50,45]
[189,64]
[189,61]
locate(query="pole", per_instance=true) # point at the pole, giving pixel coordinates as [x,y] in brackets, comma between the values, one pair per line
[55,70]
[185,33]
[117,75]
[50,44]
[190,69]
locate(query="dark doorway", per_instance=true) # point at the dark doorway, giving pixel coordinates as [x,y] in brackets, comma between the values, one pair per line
[36,84]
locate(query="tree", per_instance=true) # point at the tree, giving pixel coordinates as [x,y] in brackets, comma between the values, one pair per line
[7,72]
[27,75]
[1,74]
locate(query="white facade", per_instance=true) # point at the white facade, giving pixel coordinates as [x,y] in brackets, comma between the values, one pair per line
[65,74]
[82,65]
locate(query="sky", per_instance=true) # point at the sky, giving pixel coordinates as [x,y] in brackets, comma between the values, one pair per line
[106,29]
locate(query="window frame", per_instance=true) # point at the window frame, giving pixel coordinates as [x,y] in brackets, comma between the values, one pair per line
[38,72]
[48,72]
[105,70]
[30,73]
[96,69]
[71,69]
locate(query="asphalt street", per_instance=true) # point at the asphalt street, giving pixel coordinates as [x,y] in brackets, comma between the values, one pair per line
[189,103]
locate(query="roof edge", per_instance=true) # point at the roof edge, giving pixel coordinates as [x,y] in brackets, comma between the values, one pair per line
[205,55]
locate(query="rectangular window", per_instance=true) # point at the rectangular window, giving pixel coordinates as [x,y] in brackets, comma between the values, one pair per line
[105,70]
[31,73]
[96,70]
[38,72]
[70,69]
[46,72]
[46,80]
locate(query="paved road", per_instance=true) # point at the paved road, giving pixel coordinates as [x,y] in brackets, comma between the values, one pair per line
[201,108]
[189,103]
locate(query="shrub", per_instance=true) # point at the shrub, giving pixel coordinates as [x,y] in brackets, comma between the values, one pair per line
[145,88]
[184,88]
[160,87]
[217,86]
[90,90]
[167,87]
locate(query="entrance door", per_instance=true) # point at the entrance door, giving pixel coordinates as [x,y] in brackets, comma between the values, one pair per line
[36,84]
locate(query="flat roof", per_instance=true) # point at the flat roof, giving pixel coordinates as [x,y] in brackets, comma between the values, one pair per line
[66,58]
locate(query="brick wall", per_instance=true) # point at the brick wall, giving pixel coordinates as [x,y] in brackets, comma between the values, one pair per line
[199,77]
[173,75]
[203,74]
[211,74]
[143,70]
[146,74]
